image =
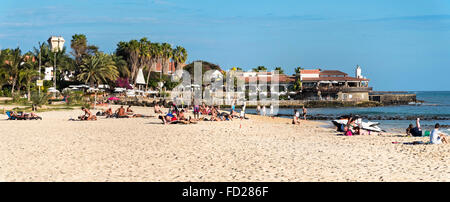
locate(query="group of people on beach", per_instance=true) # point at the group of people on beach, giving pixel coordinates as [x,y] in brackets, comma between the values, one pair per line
[120,112]
[176,115]
[436,137]
[296,118]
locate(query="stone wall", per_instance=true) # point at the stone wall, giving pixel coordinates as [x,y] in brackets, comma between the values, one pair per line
[394,99]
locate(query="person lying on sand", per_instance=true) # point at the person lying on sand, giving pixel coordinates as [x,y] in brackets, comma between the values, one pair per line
[437,137]
[234,114]
[414,131]
[87,115]
[214,117]
[157,109]
[225,116]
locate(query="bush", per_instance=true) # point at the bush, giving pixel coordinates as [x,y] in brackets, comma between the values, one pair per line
[39,100]
[74,97]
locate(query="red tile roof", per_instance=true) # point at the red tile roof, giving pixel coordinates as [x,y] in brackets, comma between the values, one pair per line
[310,71]
[347,78]
[281,79]
[172,67]
[332,72]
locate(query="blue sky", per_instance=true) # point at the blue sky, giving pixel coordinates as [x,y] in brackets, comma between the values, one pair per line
[400,45]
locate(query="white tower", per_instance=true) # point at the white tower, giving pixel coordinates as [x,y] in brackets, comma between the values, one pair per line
[358,72]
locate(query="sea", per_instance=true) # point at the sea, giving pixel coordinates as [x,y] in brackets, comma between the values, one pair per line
[435,109]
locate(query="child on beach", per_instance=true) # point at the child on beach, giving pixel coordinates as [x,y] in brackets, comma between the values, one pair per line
[295,119]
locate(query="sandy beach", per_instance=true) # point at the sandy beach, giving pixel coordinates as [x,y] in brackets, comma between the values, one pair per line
[259,149]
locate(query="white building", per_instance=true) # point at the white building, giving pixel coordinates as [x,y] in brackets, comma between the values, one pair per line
[48,74]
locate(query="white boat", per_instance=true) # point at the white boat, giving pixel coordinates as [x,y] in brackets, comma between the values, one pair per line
[369,126]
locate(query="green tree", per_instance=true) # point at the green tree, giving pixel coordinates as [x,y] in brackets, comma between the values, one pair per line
[280,70]
[12,65]
[167,55]
[122,66]
[80,48]
[298,69]
[98,68]
[131,52]
[260,69]
[179,56]
[28,74]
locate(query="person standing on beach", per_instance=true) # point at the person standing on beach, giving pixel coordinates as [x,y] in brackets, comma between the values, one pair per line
[295,119]
[258,109]
[271,109]
[264,110]
[305,111]
[437,137]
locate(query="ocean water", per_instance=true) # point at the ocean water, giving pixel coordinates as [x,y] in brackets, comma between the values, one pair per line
[435,110]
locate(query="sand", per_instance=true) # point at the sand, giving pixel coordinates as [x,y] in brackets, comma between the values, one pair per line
[259,149]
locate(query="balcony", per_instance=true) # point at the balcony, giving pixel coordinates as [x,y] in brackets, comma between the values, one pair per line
[336,89]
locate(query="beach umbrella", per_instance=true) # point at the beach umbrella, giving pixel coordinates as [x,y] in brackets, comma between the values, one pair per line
[113,98]
[140,77]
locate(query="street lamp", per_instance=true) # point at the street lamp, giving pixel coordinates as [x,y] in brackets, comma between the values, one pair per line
[56,44]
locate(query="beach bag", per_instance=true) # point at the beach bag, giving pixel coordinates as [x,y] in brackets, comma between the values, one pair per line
[427,133]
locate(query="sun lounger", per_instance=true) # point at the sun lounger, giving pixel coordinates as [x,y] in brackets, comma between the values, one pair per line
[11,117]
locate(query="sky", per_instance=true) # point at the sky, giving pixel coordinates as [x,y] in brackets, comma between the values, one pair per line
[400,45]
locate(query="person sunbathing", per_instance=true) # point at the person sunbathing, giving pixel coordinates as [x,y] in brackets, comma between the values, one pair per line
[414,131]
[157,109]
[214,117]
[169,117]
[225,116]
[234,114]
[181,116]
[109,113]
[129,111]
[121,113]
[87,115]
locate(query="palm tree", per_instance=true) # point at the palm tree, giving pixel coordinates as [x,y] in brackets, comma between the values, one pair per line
[130,51]
[179,56]
[280,70]
[97,69]
[260,69]
[121,65]
[298,69]
[79,46]
[13,63]
[146,55]
[27,74]
[158,53]
[167,55]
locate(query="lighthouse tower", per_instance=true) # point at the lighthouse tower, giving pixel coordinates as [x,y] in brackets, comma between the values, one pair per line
[358,72]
